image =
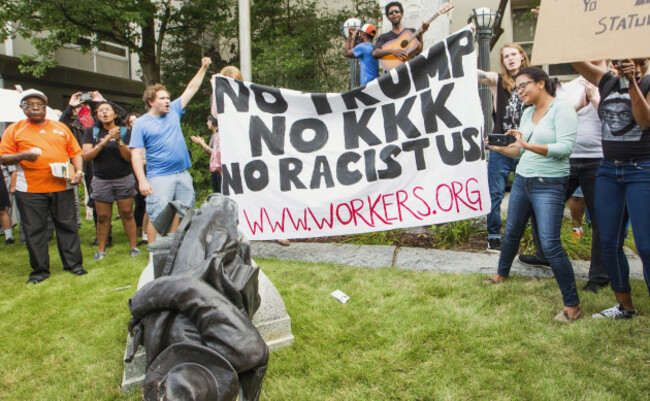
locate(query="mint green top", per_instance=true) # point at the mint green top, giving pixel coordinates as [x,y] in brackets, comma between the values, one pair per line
[558,129]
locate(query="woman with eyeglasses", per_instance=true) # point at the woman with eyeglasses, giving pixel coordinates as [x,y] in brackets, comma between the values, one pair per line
[107,145]
[623,178]
[544,142]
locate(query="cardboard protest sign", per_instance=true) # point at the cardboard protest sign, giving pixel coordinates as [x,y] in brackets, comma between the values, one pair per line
[584,30]
[405,150]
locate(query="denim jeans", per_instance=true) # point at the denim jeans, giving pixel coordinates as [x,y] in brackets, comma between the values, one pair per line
[622,190]
[583,175]
[543,196]
[499,168]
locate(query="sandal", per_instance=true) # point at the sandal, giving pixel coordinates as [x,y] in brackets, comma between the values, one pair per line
[564,317]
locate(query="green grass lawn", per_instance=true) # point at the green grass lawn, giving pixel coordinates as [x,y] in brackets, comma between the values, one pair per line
[402,336]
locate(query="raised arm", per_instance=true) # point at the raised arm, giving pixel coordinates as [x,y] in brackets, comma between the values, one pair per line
[590,72]
[67,116]
[195,83]
[349,43]
[640,104]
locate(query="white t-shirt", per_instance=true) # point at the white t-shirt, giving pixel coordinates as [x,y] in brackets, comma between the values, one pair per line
[588,142]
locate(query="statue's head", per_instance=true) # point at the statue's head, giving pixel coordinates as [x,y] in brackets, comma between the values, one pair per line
[190,371]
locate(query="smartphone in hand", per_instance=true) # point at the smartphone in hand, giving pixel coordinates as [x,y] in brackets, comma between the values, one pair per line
[500,139]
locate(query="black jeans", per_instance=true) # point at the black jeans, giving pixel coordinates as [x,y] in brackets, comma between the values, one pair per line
[35,208]
[216,181]
[583,174]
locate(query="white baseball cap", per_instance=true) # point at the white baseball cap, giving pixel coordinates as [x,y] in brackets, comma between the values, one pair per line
[33,93]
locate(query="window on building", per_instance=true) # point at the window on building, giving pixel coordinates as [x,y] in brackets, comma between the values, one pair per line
[106,47]
[523,32]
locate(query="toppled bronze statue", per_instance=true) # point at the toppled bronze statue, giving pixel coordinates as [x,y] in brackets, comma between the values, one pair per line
[195,319]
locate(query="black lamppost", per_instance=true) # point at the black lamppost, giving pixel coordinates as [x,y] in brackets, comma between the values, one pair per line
[355,67]
[485,20]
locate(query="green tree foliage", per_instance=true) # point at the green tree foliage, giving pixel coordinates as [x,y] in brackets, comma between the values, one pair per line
[140,25]
[297,43]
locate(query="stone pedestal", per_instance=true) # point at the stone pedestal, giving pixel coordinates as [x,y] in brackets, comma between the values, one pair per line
[271,319]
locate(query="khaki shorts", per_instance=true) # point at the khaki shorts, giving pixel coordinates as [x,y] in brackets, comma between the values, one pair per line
[115,189]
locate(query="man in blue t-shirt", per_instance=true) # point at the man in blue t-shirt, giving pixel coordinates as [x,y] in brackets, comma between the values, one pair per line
[363,51]
[158,132]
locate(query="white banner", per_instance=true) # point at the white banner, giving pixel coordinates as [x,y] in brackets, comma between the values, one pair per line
[405,150]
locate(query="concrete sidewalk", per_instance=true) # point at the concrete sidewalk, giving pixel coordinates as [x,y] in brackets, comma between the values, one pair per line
[419,259]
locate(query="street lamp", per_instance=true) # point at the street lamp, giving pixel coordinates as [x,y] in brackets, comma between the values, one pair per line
[485,20]
[355,67]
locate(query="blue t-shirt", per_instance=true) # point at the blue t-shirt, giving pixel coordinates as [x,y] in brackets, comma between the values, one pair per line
[162,139]
[369,65]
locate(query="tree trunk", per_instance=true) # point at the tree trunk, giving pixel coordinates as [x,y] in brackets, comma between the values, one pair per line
[150,68]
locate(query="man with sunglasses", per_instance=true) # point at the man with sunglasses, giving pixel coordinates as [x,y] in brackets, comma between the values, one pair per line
[33,144]
[394,12]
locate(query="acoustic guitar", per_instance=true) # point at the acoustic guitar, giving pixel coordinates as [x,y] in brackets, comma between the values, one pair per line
[408,42]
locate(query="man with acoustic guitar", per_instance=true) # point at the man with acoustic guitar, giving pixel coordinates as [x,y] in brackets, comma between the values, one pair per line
[393,55]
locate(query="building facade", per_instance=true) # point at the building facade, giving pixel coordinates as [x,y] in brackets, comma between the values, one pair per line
[111,70]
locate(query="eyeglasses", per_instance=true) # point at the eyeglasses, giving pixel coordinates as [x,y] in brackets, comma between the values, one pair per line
[27,105]
[523,85]
[394,12]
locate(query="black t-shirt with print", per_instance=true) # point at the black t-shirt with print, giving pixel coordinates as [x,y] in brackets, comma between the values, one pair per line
[506,114]
[623,139]
[109,163]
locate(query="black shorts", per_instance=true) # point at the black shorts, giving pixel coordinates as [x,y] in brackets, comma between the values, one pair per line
[5,203]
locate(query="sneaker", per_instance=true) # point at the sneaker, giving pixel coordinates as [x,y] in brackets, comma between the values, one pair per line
[617,312]
[35,280]
[99,255]
[78,270]
[9,241]
[532,260]
[142,242]
[134,252]
[493,245]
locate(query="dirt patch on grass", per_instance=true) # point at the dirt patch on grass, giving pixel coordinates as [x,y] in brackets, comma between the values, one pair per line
[475,243]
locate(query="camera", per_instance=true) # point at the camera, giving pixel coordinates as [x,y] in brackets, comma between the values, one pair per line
[86,97]
[500,139]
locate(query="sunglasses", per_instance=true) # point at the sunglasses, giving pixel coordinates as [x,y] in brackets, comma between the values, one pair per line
[394,12]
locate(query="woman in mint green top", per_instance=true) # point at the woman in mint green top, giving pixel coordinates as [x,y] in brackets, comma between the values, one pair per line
[544,142]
